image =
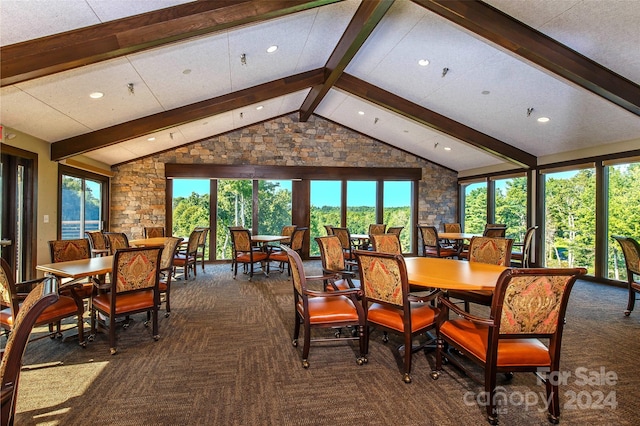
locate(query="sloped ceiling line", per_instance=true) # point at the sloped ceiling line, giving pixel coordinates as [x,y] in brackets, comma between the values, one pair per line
[368,15]
[73,49]
[536,47]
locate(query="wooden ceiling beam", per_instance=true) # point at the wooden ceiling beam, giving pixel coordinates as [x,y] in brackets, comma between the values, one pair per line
[368,15]
[436,121]
[185,114]
[524,41]
[89,45]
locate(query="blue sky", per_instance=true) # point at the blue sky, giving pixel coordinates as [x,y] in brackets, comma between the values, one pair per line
[323,193]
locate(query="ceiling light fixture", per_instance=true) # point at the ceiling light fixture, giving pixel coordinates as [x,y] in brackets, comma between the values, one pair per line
[485,92]
[423,62]
[243,59]
[445,70]
[272,49]
[130,87]
[543,119]
[361,112]
[151,139]
[96,95]
[529,111]
[186,71]
[446,148]
[259,107]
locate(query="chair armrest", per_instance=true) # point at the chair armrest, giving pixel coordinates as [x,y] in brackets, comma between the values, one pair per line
[433,294]
[466,315]
[350,292]
[100,285]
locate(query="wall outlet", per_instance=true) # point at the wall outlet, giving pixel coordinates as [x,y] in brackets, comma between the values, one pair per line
[46,218]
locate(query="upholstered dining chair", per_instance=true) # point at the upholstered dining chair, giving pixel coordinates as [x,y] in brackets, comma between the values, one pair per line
[431,244]
[397,230]
[377,228]
[522,256]
[117,240]
[186,257]
[245,253]
[528,305]
[495,231]
[287,231]
[324,309]
[494,251]
[202,245]
[171,245]
[333,262]
[329,229]
[344,236]
[386,243]
[295,243]
[388,303]
[75,249]
[456,244]
[97,243]
[134,288]
[40,298]
[12,295]
[631,252]
[153,231]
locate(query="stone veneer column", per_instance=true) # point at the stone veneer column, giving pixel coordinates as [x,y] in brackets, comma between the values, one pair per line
[138,187]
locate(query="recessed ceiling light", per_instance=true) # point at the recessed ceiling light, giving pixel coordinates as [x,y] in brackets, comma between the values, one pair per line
[259,107]
[485,92]
[423,62]
[361,112]
[543,119]
[446,148]
[151,139]
[96,95]
[272,49]
[186,71]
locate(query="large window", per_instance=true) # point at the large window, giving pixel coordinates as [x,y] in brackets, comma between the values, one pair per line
[82,203]
[235,201]
[510,201]
[397,209]
[475,207]
[361,206]
[623,213]
[274,206]
[326,196]
[570,219]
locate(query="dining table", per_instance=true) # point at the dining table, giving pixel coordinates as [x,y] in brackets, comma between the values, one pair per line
[452,274]
[457,235]
[148,242]
[78,269]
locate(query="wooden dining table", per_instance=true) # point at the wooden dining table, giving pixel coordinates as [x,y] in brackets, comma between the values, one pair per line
[148,242]
[78,269]
[452,274]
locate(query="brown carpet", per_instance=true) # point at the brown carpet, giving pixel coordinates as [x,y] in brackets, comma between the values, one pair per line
[225,358]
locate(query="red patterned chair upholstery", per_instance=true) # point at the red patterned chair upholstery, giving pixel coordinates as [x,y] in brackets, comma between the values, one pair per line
[324,309]
[187,257]
[153,231]
[386,243]
[333,262]
[117,241]
[246,253]
[134,288]
[388,304]
[528,305]
[98,243]
[67,250]
[631,251]
[431,244]
[295,243]
[171,245]
[494,251]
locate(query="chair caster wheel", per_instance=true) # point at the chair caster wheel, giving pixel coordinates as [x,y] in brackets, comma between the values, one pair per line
[113,351]
[553,419]
[305,363]
[492,420]
[91,337]
[156,337]
[627,313]
[508,376]
[406,378]
[125,325]
[360,361]
[365,359]
[83,344]
[435,375]
[146,324]
[295,343]
[166,315]
[385,338]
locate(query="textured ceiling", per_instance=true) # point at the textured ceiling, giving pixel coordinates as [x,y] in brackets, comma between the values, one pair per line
[485,88]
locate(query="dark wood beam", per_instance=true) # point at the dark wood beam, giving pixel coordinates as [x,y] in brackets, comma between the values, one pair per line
[185,114]
[72,49]
[362,24]
[415,112]
[538,48]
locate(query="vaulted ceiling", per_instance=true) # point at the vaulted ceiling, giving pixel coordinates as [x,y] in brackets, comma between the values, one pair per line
[174,72]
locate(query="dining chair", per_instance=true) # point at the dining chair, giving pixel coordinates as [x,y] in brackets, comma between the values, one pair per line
[631,252]
[74,249]
[171,246]
[329,229]
[12,294]
[324,309]
[386,243]
[344,236]
[397,230]
[389,305]
[134,288]
[202,245]
[456,244]
[377,228]
[522,257]
[495,231]
[528,305]
[494,251]
[295,243]
[245,253]
[287,231]
[186,257]
[153,231]
[431,243]
[39,299]
[116,241]
[333,262]
[97,243]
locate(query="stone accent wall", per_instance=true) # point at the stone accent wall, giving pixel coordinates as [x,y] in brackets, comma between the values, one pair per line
[138,188]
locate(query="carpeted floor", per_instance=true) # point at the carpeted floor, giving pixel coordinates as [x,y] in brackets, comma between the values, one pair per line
[225,358]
